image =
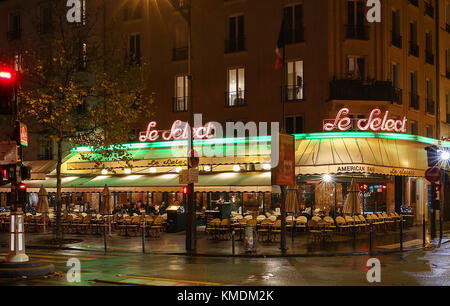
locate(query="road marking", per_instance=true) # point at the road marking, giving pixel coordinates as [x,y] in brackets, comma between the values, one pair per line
[169,280]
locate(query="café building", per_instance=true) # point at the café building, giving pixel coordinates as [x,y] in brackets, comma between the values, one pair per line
[387,164]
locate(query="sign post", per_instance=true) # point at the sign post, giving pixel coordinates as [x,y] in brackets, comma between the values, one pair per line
[283,173]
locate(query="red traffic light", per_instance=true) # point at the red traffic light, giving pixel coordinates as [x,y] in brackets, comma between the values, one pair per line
[185,190]
[22,187]
[5,75]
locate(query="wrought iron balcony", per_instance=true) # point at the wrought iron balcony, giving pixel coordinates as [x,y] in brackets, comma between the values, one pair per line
[413,49]
[179,54]
[356,31]
[236,98]
[180,104]
[359,90]
[396,40]
[414,100]
[235,45]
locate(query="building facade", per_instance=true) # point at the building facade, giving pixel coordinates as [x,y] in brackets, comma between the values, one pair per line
[335,59]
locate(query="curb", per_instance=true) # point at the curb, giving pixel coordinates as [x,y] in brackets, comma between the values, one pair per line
[205,255]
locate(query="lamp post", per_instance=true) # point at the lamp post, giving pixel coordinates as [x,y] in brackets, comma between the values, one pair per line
[185,10]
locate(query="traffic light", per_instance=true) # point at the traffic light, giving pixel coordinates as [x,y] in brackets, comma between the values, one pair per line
[22,193]
[185,189]
[8,172]
[7,78]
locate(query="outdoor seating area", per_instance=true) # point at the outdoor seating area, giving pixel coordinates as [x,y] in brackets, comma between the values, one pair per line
[91,224]
[268,227]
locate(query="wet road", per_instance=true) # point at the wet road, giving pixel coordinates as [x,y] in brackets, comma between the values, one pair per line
[416,267]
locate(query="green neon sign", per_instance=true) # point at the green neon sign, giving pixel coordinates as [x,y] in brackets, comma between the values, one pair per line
[267,139]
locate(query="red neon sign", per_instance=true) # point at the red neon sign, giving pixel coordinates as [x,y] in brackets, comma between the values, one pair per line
[5,75]
[179,131]
[375,123]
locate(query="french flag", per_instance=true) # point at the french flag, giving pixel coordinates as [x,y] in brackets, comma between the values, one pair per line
[280,45]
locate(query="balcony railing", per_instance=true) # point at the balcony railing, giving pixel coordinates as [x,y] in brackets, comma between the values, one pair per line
[398,96]
[359,90]
[14,35]
[414,100]
[396,40]
[414,2]
[294,93]
[179,54]
[429,9]
[413,49]
[429,58]
[430,109]
[295,35]
[235,45]
[180,104]
[355,31]
[236,98]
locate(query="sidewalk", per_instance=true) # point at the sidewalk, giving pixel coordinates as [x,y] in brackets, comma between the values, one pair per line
[175,244]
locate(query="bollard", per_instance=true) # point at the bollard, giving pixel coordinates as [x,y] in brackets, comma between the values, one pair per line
[424,231]
[371,238]
[401,233]
[232,242]
[143,238]
[105,238]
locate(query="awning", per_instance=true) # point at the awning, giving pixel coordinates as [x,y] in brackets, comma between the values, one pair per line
[354,155]
[229,182]
[41,168]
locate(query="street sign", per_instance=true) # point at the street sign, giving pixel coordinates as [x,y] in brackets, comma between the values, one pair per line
[8,153]
[193,175]
[283,152]
[193,159]
[184,177]
[433,175]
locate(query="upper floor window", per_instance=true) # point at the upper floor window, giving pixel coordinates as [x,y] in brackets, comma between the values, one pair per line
[15,26]
[294,80]
[294,125]
[447,102]
[236,87]
[181,93]
[45,19]
[414,98]
[356,27]
[396,39]
[356,67]
[430,131]
[134,49]
[293,24]
[180,51]
[429,56]
[235,34]
[414,128]
[413,47]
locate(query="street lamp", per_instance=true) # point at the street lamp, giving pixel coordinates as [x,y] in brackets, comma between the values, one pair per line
[445,156]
